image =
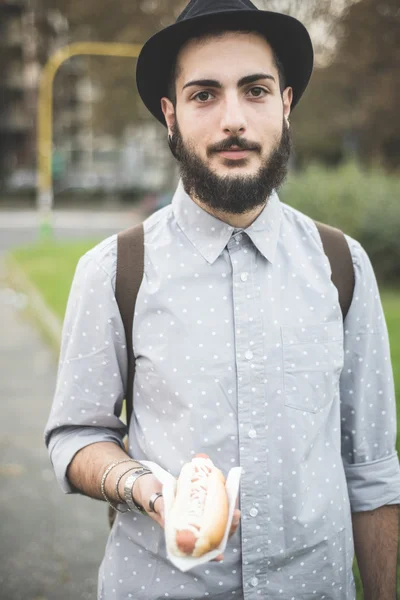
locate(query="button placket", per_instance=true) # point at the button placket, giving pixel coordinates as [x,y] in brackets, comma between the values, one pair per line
[250,390]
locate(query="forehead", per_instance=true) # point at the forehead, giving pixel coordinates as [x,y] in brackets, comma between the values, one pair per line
[228,52]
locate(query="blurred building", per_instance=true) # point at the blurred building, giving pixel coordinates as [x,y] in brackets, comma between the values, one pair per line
[28,36]
[145,160]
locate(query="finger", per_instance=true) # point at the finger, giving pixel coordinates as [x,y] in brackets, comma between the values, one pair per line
[219,558]
[235,522]
[159,508]
[158,505]
[158,514]
[144,487]
[157,518]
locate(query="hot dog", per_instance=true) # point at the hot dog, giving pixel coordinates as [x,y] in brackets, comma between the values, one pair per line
[197,521]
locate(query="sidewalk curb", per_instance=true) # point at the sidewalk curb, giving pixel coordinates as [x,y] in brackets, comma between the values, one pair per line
[49,324]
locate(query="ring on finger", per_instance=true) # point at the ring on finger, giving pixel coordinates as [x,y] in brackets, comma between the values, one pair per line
[153,500]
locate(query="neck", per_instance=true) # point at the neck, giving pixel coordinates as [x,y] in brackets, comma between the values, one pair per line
[241,221]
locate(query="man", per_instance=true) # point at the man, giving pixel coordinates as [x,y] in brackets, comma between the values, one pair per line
[240,347]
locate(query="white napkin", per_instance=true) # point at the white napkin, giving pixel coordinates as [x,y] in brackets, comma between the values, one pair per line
[169,488]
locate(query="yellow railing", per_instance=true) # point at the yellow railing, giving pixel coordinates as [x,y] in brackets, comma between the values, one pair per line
[45,113]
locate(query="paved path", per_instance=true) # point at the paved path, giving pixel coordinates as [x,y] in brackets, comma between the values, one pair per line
[69,219]
[51,544]
[22,227]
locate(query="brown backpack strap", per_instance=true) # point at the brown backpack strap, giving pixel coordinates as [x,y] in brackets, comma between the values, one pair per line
[130,268]
[338,252]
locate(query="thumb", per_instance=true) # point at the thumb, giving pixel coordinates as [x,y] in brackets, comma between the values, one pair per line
[236,516]
[159,510]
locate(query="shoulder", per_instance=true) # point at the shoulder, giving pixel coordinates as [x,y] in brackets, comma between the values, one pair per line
[363,268]
[156,223]
[301,226]
[305,226]
[102,258]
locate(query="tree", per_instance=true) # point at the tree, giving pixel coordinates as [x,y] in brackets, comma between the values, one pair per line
[128,21]
[354,101]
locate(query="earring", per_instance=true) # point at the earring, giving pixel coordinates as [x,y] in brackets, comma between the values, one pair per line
[171,145]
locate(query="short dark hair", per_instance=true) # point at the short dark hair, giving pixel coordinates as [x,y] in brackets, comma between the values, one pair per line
[217,31]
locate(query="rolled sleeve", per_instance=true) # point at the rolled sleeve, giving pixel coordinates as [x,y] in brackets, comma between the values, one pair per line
[65,442]
[92,367]
[373,484]
[367,394]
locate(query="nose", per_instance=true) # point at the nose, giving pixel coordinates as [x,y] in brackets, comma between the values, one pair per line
[233,120]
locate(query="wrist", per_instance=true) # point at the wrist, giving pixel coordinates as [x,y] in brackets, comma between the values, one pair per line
[122,482]
[124,469]
[136,489]
[130,493]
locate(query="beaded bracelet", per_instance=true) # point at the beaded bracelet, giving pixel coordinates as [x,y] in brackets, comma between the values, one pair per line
[102,487]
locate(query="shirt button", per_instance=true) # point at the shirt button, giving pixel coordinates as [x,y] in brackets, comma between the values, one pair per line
[238,237]
[253,512]
[254,582]
[249,355]
[252,433]
[244,276]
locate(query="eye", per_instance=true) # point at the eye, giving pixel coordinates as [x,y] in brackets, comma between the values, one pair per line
[258,92]
[202,96]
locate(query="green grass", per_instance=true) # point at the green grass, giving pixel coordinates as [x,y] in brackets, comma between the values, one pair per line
[391,306]
[51,266]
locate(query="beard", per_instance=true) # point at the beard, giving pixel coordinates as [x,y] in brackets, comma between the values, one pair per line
[232,194]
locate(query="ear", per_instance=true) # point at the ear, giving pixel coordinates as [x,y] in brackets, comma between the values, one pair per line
[169,113]
[287,98]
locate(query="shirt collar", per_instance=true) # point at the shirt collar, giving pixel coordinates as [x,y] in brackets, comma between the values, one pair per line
[210,235]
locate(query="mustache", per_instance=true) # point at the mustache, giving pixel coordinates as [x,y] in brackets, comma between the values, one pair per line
[238,142]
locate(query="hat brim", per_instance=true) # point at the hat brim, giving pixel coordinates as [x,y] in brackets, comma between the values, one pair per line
[287,36]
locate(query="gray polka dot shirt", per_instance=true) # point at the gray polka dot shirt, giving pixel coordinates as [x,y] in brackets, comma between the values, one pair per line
[242,354]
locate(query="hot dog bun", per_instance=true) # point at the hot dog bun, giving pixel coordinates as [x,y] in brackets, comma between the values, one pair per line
[197,521]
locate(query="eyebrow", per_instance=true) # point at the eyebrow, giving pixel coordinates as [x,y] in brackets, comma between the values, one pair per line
[217,84]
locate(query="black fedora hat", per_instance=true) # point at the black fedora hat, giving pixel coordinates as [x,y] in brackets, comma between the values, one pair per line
[287,36]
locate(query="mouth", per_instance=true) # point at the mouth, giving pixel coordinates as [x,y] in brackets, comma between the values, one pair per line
[235,153]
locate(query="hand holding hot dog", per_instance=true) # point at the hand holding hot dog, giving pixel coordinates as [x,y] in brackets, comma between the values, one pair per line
[197,521]
[143,490]
[198,518]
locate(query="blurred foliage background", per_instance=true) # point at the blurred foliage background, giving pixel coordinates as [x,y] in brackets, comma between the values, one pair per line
[351,103]
[109,151]
[346,128]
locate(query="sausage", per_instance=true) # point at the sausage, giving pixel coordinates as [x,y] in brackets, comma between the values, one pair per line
[186,541]
[194,525]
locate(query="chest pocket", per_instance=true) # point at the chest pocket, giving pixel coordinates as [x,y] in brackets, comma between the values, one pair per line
[312,362]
